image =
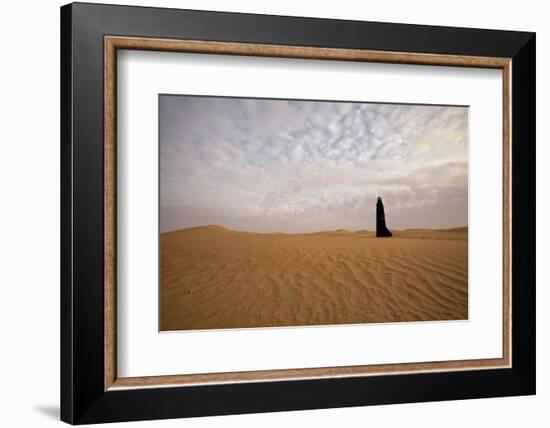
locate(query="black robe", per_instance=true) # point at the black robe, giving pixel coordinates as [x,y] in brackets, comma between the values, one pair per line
[381,229]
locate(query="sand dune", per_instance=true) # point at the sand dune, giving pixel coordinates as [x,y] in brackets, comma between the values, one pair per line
[213,277]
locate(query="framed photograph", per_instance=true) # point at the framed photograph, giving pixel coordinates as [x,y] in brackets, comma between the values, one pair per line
[265,213]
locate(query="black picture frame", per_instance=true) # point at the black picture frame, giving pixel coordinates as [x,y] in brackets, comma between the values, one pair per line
[83,398]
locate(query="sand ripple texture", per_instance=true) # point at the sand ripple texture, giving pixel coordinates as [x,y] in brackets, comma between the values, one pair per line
[215,278]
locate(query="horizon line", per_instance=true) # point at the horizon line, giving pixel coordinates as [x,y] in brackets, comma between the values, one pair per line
[341,230]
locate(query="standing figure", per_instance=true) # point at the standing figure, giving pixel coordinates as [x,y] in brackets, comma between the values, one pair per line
[381,229]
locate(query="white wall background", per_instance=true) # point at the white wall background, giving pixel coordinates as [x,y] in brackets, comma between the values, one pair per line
[29,218]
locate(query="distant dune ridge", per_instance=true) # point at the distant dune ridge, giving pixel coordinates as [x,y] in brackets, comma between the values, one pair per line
[215,278]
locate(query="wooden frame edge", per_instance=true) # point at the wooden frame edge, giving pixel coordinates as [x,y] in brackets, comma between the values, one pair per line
[109,176]
[299,374]
[507,212]
[112,43]
[301,52]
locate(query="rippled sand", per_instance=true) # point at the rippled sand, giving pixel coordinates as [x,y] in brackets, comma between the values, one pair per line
[212,277]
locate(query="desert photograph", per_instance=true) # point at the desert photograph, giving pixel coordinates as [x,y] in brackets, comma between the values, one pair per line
[281,213]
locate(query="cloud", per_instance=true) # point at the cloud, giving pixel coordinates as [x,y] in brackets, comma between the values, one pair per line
[277,165]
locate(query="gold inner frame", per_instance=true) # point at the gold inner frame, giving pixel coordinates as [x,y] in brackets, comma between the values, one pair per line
[113,43]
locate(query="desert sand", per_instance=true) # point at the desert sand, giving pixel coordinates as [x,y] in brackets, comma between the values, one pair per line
[214,278]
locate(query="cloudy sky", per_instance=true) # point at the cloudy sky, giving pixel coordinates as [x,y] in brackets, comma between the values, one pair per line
[299,166]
